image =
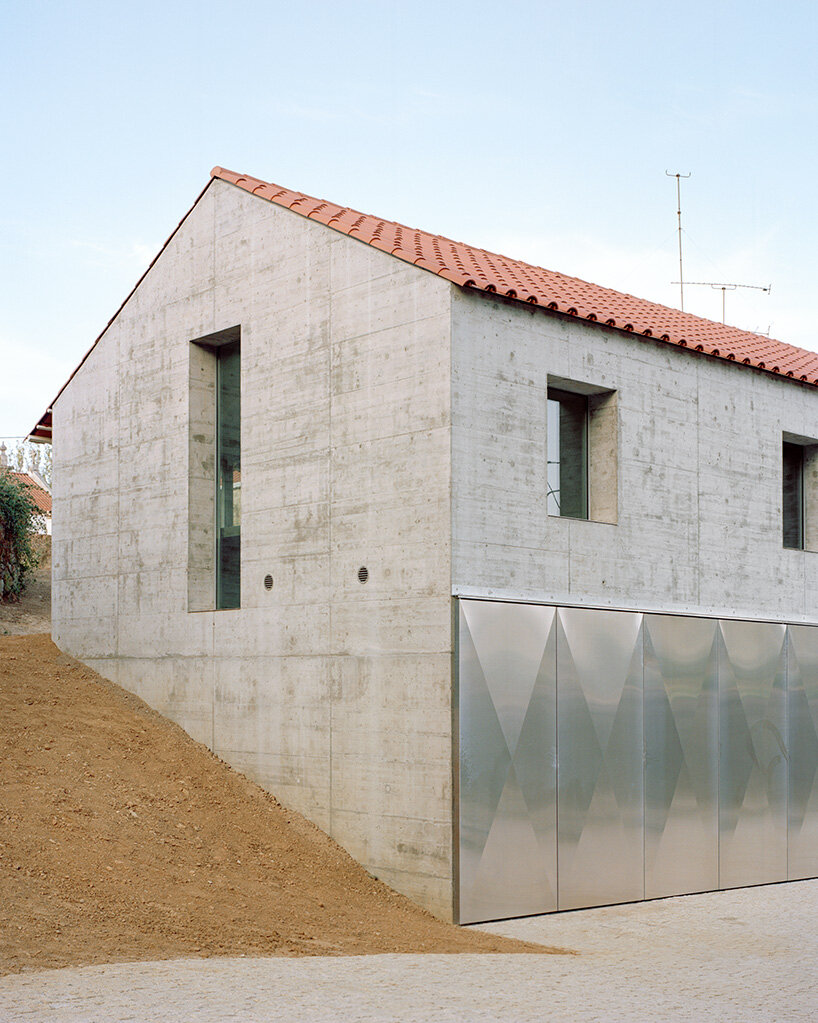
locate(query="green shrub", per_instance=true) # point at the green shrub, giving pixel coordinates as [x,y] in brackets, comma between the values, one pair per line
[17,517]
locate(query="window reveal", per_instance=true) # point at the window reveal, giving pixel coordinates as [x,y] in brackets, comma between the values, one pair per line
[567,431]
[793,495]
[228,476]
[214,471]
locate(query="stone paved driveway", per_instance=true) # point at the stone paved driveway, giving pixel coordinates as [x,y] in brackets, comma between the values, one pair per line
[749,955]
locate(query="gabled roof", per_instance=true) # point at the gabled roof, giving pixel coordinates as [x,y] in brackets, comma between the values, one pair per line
[485,271]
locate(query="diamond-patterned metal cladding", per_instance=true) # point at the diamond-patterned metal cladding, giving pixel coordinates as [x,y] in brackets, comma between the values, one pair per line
[802,828]
[681,755]
[507,706]
[726,713]
[599,742]
[753,753]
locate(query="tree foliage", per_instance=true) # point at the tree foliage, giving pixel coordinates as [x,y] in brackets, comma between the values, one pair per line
[17,518]
[26,456]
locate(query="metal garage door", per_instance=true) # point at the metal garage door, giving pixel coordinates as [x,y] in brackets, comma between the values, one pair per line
[610,756]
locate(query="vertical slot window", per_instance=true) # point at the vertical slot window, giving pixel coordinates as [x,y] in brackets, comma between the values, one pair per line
[567,432]
[793,495]
[228,476]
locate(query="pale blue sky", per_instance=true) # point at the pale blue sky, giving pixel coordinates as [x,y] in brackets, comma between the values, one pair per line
[542,130]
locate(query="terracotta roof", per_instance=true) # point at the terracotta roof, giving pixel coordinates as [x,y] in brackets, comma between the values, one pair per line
[489,272]
[40,497]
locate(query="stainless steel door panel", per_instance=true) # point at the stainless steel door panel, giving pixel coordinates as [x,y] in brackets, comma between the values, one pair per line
[507,716]
[802,829]
[599,742]
[753,755]
[681,755]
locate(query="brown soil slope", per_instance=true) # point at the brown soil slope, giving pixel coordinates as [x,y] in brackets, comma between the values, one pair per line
[121,838]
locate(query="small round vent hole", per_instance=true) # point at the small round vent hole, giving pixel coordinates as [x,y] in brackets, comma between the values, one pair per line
[363,574]
[268,582]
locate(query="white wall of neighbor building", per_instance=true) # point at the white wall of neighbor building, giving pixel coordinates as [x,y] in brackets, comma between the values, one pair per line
[699,472]
[332,694]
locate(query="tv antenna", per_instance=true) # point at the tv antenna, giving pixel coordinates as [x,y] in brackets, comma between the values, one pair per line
[679,215]
[724,288]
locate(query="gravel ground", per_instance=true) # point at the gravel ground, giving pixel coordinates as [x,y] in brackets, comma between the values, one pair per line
[748,955]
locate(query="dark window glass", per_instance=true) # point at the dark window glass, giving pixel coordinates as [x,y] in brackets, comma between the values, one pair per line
[567,454]
[228,476]
[793,496]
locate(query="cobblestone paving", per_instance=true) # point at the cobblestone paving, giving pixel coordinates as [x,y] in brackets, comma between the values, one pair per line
[749,955]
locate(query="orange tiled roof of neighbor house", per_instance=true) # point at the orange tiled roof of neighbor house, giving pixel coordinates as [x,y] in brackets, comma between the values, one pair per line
[486,271]
[40,498]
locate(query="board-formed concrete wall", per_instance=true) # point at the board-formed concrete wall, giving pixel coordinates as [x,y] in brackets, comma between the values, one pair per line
[392,421]
[698,472]
[333,694]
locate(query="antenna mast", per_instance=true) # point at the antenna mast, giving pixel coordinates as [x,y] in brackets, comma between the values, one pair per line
[679,215]
[724,288]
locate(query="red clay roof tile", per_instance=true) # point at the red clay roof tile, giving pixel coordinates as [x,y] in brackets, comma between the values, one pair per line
[470,267]
[40,498]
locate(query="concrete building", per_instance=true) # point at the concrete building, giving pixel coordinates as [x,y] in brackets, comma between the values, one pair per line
[502,578]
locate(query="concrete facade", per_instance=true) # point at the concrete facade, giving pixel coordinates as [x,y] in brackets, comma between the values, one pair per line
[333,694]
[391,420]
[698,472]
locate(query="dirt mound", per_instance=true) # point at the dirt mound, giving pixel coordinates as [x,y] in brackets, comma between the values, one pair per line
[121,838]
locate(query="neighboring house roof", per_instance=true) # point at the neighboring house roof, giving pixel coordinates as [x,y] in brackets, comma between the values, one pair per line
[40,497]
[485,271]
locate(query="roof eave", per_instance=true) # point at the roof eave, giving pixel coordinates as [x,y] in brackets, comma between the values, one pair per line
[640,335]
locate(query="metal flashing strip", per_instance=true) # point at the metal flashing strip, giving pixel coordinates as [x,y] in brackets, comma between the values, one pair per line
[511,597]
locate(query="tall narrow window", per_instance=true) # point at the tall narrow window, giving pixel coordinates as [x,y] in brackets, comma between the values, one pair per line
[567,431]
[228,476]
[793,495]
